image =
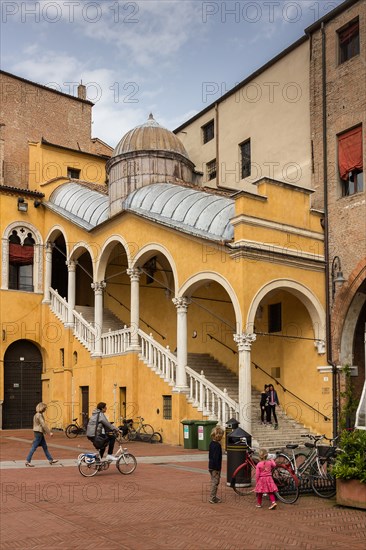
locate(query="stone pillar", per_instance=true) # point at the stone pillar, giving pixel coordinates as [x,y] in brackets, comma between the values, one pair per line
[71,291]
[244,343]
[98,288]
[134,274]
[48,274]
[182,306]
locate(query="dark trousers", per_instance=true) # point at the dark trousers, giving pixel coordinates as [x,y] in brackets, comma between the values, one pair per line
[263,412]
[271,409]
[109,441]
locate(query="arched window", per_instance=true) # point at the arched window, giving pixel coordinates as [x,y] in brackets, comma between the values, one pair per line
[21,259]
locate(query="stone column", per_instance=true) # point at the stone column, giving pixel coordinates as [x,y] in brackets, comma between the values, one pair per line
[48,274]
[71,291]
[134,274]
[244,343]
[182,306]
[98,288]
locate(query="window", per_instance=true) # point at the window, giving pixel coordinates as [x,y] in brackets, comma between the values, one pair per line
[62,357]
[274,318]
[349,41]
[350,161]
[245,159]
[73,173]
[208,131]
[211,170]
[21,261]
[167,407]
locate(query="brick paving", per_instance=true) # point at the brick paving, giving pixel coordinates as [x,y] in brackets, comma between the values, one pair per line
[162,505]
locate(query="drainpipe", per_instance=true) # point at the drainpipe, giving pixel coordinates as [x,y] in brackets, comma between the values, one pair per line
[218,170]
[326,240]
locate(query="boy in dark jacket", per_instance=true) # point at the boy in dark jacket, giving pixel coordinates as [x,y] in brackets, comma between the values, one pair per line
[215,462]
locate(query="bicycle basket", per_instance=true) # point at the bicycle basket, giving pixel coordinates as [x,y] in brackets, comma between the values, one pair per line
[90,458]
[325,451]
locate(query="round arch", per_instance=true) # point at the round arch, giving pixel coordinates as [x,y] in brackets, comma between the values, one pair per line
[148,251]
[79,248]
[197,280]
[107,247]
[56,232]
[304,294]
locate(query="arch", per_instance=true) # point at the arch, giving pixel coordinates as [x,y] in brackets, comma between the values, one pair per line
[38,255]
[79,248]
[197,280]
[148,251]
[107,247]
[349,327]
[305,295]
[54,233]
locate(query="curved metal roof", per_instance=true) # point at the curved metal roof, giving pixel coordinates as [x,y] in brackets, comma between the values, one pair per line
[80,204]
[149,136]
[185,209]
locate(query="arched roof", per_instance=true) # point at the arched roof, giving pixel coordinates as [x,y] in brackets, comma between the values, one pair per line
[149,136]
[185,209]
[80,204]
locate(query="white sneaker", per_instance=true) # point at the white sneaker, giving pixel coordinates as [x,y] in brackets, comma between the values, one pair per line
[111,458]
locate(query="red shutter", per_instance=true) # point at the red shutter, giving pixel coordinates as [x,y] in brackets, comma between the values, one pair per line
[20,255]
[350,152]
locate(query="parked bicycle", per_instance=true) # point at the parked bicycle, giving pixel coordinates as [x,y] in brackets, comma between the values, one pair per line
[90,464]
[286,481]
[315,466]
[73,430]
[141,431]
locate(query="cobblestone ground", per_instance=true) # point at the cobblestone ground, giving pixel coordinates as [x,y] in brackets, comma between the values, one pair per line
[162,505]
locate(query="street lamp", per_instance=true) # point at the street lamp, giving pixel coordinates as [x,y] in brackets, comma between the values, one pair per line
[337,275]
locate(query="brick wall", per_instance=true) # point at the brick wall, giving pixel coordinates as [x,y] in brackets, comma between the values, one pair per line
[31,112]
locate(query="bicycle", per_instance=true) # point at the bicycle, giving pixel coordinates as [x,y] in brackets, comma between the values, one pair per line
[142,431]
[315,466]
[286,481]
[89,464]
[73,430]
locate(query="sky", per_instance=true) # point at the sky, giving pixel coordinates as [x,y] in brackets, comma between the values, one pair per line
[169,57]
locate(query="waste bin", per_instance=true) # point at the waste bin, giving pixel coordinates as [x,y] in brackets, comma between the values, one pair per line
[231,425]
[189,434]
[236,455]
[204,428]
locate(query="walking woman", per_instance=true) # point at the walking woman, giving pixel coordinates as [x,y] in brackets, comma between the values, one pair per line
[40,428]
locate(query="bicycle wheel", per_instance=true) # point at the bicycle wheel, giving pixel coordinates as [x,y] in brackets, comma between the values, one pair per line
[244,481]
[156,438]
[126,464]
[71,431]
[287,485]
[147,429]
[132,434]
[283,460]
[88,469]
[323,483]
[300,459]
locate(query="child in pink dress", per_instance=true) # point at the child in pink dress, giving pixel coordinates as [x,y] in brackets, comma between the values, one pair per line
[264,480]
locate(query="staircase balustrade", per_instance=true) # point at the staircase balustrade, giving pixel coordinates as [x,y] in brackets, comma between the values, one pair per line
[161,360]
[84,331]
[115,342]
[58,305]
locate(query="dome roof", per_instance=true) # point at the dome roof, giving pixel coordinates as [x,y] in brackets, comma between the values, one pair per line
[147,137]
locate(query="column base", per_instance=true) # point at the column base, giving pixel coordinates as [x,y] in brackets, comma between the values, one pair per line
[181,389]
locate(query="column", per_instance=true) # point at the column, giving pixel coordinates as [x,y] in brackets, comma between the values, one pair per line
[71,291]
[98,288]
[134,274]
[244,343]
[182,307]
[48,274]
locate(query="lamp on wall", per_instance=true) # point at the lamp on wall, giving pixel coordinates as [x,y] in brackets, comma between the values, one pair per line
[22,205]
[337,275]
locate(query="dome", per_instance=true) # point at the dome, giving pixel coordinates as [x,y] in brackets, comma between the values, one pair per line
[147,137]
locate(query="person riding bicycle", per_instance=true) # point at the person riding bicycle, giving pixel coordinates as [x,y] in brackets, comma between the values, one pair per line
[101,432]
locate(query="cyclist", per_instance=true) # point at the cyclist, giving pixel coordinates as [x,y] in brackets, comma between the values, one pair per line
[101,432]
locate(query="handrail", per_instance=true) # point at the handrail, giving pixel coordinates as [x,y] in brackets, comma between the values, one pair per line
[84,331]
[326,418]
[222,343]
[58,305]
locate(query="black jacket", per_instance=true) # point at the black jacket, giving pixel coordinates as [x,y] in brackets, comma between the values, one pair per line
[215,456]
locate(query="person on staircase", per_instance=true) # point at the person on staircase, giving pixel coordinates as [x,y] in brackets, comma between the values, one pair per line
[264,402]
[273,402]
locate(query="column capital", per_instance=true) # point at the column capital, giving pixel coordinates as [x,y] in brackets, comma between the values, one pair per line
[181,303]
[49,246]
[71,265]
[98,286]
[134,273]
[320,346]
[244,340]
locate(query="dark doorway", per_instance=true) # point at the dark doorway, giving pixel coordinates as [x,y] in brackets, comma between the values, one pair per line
[22,384]
[84,404]
[59,280]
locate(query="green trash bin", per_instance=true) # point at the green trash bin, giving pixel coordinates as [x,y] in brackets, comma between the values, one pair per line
[189,434]
[204,428]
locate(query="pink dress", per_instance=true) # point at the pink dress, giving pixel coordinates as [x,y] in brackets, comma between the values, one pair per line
[263,477]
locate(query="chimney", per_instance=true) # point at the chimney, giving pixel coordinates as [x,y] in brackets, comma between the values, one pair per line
[81,91]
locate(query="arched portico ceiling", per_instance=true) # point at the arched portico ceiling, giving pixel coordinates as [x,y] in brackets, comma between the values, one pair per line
[196,281]
[149,251]
[304,294]
[106,251]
